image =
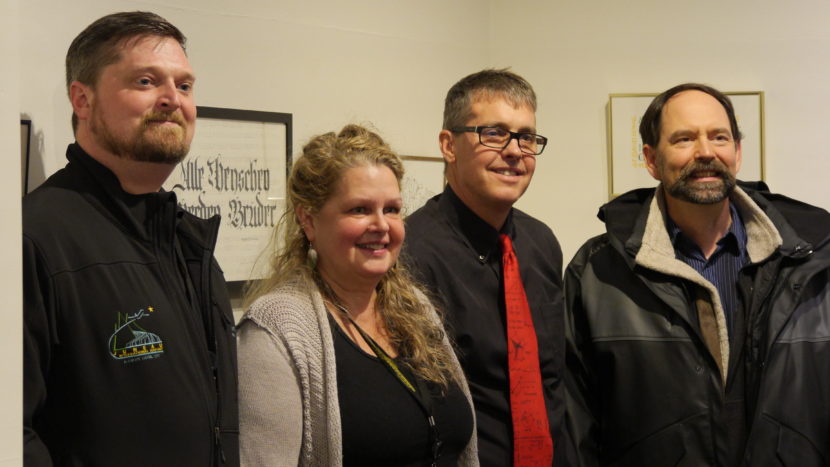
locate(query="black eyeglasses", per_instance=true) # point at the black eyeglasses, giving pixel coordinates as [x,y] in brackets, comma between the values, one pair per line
[498,138]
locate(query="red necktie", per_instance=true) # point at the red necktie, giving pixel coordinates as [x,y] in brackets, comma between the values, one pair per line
[532,443]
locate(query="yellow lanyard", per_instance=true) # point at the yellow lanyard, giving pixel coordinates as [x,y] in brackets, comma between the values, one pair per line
[421,397]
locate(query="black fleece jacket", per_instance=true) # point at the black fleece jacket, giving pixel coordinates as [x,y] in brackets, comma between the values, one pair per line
[129,342]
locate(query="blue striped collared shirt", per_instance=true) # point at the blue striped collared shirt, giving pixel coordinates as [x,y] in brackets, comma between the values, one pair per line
[723,267]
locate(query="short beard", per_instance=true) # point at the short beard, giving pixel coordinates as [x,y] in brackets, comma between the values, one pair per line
[149,143]
[702,192]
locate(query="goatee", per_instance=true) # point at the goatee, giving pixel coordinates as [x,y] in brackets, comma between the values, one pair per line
[152,141]
[711,192]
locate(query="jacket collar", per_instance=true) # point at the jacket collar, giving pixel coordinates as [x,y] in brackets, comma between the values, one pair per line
[655,251]
[134,212]
[803,228]
[773,222]
[762,237]
[138,213]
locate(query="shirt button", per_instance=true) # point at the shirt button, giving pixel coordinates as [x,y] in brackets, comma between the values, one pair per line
[481,258]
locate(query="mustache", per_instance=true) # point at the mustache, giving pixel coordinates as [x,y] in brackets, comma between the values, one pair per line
[174,117]
[715,166]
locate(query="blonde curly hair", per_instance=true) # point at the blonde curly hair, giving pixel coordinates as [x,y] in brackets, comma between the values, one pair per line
[411,327]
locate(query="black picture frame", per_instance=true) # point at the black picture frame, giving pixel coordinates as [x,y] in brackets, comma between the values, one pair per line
[25,152]
[236,169]
[256,116]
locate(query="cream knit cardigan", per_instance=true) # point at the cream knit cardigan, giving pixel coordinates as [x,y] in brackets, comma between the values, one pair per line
[288,408]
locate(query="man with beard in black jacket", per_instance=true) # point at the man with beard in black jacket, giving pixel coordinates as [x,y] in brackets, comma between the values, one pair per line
[698,325]
[129,345]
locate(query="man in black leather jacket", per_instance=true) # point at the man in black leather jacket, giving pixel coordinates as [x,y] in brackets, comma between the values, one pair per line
[129,343]
[698,325]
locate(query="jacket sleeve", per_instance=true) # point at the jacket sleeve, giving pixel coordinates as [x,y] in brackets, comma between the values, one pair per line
[581,418]
[38,337]
[270,404]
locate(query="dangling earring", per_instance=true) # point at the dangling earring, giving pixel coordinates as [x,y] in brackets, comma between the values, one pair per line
[311,256]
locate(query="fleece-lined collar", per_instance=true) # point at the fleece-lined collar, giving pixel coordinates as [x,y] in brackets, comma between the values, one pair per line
[656,252]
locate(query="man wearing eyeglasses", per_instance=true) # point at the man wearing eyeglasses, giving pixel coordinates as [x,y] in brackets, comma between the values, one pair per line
[465,243]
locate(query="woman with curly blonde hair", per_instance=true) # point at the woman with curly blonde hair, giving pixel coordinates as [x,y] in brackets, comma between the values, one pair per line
[342,359]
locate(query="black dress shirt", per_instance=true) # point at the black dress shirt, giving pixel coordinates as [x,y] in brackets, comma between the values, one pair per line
[457,256]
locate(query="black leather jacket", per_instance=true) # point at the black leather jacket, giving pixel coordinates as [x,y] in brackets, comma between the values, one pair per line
[642,389]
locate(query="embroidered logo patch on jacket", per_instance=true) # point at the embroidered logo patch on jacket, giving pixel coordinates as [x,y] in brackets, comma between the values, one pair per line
[130,341]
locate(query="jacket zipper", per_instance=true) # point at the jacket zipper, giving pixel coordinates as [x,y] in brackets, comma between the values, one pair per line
[203,304]
[207,311]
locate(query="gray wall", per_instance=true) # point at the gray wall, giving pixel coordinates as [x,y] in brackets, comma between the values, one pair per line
[10,319]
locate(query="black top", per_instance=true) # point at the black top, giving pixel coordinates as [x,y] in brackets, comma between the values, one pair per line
[457,255]
[382,424]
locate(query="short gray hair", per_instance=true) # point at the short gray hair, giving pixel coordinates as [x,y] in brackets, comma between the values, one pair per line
[485,83]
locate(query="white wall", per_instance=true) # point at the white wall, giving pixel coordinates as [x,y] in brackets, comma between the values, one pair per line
[576,53]
[328,62]
[391,63]
[11,346]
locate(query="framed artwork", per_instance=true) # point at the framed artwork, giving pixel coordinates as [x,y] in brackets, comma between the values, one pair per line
[237,168]
[25,139]
[626,165]
[423,179]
